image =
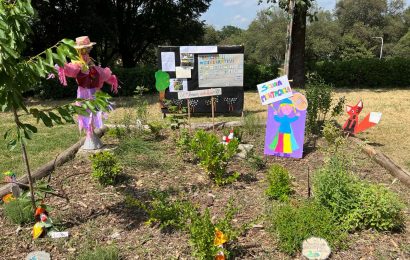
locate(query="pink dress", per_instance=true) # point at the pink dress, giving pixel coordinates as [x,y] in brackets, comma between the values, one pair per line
[88,83]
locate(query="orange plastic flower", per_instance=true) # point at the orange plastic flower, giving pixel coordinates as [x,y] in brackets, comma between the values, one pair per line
[220,257]
[220,238]
[39,211]
[8,197]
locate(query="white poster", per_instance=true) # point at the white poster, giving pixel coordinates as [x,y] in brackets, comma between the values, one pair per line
[200,93]
[183,72]
[220,70]
[176,85]
[198,49]
[274,90]
[168,61]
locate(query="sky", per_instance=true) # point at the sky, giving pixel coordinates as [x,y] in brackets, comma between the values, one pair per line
[240,13]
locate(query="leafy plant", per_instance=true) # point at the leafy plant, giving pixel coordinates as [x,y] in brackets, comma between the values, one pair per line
[252,125]
[214,156]
[333,136]
[19,211]
[156,128]
[105,168]
[203,233]
[100,253]
[293,224]
[320,96]
[279,183]
[141,104]
[255,161]
[356,204]
[183,143]
[161,209]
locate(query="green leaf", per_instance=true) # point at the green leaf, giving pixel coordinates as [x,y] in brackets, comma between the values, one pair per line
[55,118]
[46,120]
[11,145]
[7,134]
[31,128]
[65,114]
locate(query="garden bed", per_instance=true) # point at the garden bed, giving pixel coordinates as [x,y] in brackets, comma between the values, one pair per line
[101,217]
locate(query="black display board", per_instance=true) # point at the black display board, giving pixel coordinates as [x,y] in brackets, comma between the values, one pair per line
[232,98]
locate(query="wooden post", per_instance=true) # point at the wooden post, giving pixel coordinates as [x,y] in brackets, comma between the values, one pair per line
[308,182]
[213,113]
[189,116]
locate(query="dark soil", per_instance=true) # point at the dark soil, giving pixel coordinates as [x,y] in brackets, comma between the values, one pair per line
[99,216]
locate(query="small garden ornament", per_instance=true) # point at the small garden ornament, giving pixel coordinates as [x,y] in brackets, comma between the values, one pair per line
[352,124]
[220,239]
[90,79]
[43,223]
[11,177]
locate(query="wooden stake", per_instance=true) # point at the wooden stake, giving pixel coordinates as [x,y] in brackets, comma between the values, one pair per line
[189,116]
[213,113]
[308,182]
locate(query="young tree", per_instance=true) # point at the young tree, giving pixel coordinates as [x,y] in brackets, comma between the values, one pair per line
[18,73]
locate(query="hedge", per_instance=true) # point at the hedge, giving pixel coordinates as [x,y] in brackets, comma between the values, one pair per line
[366,73]
[143,75]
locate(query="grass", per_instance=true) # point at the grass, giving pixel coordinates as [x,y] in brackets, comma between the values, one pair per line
[389,136]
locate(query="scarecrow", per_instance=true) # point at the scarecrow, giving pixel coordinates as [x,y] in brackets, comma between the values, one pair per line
[90,79]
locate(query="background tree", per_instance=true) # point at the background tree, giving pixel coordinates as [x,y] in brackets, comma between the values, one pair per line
[124,29]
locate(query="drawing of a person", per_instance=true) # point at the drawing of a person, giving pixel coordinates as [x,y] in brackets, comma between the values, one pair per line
[284,141]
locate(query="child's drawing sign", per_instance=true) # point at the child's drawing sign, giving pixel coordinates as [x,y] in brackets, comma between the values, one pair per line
[274,90]
[285,127]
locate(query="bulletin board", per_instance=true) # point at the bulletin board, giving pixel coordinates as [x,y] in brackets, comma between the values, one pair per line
[201,67]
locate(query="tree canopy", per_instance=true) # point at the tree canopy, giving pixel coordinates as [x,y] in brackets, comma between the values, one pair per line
[128,30]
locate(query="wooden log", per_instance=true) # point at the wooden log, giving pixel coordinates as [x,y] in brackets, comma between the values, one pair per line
[46,169]
[385,161]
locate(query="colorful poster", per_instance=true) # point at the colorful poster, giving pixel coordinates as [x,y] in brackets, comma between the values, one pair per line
[168,61]
[176,85]
[200,93]
[183,72]
[274,90]
[187,60]
[285,127]
[352,124]
[220,70]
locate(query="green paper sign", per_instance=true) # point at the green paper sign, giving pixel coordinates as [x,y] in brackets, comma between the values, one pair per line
[161,80]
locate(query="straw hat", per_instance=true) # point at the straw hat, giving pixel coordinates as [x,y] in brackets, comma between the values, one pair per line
[83,42]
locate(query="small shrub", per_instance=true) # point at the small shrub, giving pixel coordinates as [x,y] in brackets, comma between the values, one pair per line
[279,183]
[100,253]
[214,156]
[156,128]
[162,210]
[378,208]
[356,204]
[255,161]
[293,224]
[19,211]
[183,143]
[202,233]
[333,136]
[105,168]
[320,96]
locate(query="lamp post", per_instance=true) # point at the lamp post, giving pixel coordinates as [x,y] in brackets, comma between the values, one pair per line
[381,48]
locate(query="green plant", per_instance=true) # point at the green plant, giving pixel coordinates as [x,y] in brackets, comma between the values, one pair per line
[356,204]
[378,208]
[183,143]
[333,136]
[100,253]
[255,161]
[156,128]
[293,224]
[279,183]
[161,209]
[202,232]
[214,156]
[141,104]
[320,96]
[252,124]
[19,211]
[105,168]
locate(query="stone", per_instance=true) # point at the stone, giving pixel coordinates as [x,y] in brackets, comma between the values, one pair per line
[316,248]
[38,255]
[244,149]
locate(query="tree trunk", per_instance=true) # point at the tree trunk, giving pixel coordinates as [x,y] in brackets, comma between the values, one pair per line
[297,54]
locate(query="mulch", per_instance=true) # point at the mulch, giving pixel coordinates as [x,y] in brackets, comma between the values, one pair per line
[96,215]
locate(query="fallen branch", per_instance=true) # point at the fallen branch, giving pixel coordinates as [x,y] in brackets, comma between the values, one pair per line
[50,166]
[385,161]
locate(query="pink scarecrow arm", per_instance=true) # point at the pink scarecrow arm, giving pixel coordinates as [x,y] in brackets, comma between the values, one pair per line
[107,76]
[70,70]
